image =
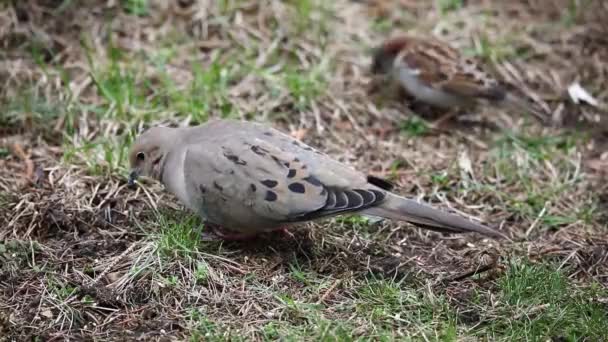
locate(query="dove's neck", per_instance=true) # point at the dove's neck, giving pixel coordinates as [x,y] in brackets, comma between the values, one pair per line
[172,174]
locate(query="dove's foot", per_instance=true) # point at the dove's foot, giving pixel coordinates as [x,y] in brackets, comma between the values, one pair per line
[229,235]
[284,232]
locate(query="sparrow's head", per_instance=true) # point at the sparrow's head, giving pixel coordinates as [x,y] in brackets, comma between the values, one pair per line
[148,152]
[383,58]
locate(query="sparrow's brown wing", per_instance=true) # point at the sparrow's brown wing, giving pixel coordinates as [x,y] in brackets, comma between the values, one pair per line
[443,68]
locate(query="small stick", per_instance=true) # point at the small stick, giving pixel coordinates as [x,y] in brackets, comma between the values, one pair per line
[113,264]
[532,311]
[470,273]
[329,291]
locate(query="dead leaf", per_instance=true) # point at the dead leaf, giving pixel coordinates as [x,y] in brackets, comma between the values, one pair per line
[47,313]
[578,94]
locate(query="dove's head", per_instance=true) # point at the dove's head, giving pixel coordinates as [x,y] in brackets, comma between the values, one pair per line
[148,153]
[383,57]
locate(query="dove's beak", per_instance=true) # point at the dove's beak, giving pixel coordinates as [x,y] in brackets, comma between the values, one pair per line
[133,177]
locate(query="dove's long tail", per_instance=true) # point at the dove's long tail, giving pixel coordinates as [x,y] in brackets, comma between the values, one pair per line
[403,209]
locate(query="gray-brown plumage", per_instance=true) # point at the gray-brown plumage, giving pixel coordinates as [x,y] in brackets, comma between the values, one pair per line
[248,178]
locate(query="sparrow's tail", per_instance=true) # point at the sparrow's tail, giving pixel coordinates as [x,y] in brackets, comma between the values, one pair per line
[519,104]
[403,209]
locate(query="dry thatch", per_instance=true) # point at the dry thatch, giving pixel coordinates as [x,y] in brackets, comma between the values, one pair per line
[82,255]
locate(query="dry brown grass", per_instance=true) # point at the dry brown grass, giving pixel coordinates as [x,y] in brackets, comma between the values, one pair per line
[84,256]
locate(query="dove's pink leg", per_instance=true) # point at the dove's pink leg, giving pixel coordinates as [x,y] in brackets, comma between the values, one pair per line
[229,236]
[232,236]
[284,231]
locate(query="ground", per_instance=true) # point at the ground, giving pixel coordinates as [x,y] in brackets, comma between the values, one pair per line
[83,256]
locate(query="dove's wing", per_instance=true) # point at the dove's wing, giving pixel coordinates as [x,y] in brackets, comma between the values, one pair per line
[253,174]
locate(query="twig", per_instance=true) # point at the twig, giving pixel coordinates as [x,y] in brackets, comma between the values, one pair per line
[113,264]
[478,270]
[532,311]
[329,291]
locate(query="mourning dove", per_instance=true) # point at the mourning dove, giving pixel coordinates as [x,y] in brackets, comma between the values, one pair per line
[245,178]
[435,73]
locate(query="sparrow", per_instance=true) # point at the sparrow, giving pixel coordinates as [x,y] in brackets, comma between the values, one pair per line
[244,178]
[435,73]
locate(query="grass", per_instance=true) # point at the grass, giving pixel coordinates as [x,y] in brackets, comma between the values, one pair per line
[305,87]
[136,7]
[519,162]
[82,256]
[544,302]
[414,126]
[449,5]
[36,107]
[496,50]
[179,239]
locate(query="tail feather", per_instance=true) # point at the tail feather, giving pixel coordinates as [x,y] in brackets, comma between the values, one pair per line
[403,209]
[520,104]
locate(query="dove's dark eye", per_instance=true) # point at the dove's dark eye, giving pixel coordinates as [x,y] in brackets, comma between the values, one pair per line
[141,156]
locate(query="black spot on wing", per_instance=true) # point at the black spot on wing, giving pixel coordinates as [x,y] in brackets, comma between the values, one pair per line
[259,150]
[235,159]
[380,182]
[277,160]
[297,188]
[252,187]
[269,183]
[291,173]
[269,134]
[217,186]
[313,180]
[271,196]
